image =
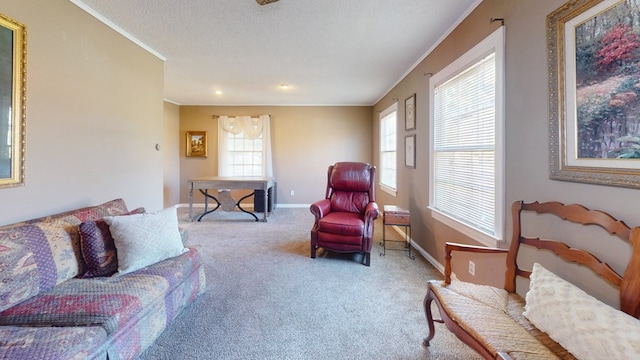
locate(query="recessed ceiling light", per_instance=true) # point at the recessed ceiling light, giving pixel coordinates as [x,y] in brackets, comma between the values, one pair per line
[284,86]
[218,92]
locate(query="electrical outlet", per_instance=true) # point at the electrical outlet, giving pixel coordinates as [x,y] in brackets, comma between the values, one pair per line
[472,268]
[293,193]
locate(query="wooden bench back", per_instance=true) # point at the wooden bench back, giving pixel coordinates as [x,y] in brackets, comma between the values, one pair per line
[629,284]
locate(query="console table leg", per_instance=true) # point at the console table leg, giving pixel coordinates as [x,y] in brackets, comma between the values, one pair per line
[205,192]
[266,204]
[191,204]
[238,204]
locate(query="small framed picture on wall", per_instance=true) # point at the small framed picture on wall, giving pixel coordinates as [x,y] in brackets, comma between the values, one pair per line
[410,151]
[410,113]
[197,143]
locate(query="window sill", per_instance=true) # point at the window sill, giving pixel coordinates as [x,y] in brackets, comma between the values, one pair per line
[388,190]
[482,238]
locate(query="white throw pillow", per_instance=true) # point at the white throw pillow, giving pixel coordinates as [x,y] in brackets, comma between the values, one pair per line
[145,239]
[582,324]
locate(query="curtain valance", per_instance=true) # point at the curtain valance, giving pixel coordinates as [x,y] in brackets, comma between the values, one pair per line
[250,127]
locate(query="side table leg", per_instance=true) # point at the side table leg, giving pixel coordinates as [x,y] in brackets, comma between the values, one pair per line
[408,231]
[384,248]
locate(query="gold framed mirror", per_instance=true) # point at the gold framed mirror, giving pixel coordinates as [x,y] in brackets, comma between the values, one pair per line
[13,76]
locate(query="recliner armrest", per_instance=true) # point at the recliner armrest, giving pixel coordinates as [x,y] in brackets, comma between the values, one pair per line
[321,208]
[371,212]
[449,247]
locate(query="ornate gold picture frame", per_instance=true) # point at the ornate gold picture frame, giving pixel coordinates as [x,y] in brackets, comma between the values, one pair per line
[197,143]
[594,92]
[13,94]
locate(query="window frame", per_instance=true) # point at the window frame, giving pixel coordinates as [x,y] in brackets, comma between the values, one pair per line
[232,140]
[492,43]
[391,189]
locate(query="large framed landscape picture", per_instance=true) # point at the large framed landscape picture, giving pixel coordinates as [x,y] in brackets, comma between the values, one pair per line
[594,92]
[13,72]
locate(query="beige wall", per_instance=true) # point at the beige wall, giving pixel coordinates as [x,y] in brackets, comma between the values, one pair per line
[305,141]
[171,154]
[94,114]
[527,174]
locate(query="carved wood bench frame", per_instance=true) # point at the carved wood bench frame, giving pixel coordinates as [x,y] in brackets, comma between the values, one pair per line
[629,284]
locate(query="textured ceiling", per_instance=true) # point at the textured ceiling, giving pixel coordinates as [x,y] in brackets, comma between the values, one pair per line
[330,52]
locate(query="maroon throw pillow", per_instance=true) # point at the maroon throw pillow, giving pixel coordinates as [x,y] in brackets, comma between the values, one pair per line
[98,249]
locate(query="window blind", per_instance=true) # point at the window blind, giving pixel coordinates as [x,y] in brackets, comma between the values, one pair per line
[388,148]
[464,146]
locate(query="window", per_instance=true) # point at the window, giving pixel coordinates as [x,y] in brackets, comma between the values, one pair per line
[467,156]
[244,146]
[388,145]
[245,155]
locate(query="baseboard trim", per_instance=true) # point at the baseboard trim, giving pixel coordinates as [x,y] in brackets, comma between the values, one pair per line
[293,206]
[420,250]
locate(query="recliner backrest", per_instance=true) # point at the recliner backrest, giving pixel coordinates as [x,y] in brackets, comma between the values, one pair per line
[350,186]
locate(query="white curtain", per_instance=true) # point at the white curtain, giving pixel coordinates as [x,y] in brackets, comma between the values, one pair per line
[251,128]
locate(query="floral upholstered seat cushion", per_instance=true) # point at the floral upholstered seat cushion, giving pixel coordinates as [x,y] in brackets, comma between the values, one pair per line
[111,302]
[74,343]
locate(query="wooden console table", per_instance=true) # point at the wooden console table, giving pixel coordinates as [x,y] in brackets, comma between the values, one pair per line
[204,184]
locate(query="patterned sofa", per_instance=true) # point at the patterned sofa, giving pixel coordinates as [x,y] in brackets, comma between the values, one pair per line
[58,300]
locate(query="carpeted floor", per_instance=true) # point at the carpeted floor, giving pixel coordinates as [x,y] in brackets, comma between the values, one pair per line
[266,299]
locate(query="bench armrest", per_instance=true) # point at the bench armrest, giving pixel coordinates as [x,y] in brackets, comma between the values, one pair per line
[450,247]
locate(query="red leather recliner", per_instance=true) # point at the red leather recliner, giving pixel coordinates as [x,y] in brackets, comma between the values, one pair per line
[344,219]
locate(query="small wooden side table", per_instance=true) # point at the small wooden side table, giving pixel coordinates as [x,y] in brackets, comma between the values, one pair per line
[396,216]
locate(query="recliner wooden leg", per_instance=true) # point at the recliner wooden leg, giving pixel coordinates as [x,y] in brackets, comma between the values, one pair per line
[367,259]
[313,252]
